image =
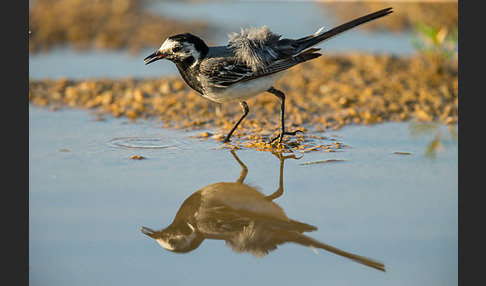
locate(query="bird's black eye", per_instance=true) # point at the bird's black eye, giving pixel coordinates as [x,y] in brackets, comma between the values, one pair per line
[176,49]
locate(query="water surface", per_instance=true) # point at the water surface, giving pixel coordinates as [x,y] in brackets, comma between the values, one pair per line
[88,201]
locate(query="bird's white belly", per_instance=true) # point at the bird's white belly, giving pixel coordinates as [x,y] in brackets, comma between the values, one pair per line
[243,90]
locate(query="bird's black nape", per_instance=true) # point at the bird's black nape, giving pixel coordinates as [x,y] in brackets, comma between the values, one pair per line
[199,44]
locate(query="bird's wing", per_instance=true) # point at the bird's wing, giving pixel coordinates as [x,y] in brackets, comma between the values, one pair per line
[283,64]
[224,72]
[286,63]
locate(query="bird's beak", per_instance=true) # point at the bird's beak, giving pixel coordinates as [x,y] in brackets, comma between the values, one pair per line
[154,57]
[148,231]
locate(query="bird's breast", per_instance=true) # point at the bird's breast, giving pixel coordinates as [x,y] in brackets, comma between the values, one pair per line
[241,91]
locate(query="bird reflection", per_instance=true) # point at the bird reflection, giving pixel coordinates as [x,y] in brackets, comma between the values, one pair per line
[246,219]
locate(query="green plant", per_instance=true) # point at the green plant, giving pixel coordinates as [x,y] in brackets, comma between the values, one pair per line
[437,43]
[440,136]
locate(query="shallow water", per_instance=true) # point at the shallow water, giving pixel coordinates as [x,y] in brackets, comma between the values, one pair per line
[88,201]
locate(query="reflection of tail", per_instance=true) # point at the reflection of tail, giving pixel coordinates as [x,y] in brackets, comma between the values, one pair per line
[307,241]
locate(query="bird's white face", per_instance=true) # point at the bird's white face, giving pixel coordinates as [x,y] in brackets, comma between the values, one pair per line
[177,242]
[183,49]
[165,244]
[179,50]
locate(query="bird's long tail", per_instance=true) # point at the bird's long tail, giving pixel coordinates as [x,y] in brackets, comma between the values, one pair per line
[308,241]
[320,36]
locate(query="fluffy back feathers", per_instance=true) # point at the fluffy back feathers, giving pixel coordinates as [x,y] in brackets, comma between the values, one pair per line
[253,47]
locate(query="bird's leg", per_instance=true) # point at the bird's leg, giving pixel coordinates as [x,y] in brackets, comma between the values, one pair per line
[280,136]
[245,109]
[279,191]
[244,169]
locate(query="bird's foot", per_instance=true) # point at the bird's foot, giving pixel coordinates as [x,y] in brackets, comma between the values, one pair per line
[280,136]
[283,157]
[226,140]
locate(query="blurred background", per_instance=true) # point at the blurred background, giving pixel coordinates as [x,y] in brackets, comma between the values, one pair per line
[82,39]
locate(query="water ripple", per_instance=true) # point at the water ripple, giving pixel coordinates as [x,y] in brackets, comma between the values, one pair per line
[144,142]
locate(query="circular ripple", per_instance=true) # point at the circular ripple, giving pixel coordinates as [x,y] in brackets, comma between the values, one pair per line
[142,143]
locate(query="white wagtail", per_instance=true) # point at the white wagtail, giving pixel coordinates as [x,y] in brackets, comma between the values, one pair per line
[249,65]
[246,219]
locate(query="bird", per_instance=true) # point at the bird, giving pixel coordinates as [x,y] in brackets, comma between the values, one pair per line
[248,65]
[246,219]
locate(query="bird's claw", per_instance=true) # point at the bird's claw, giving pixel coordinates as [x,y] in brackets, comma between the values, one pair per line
[282,134]
[225,140]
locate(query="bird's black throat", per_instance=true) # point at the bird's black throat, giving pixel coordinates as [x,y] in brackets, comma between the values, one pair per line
[186,68]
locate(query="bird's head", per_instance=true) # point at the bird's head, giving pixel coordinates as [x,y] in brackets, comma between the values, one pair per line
[181,239]
[180,48]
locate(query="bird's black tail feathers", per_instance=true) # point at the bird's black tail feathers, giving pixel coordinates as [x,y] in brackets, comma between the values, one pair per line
[319,36]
